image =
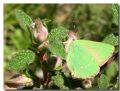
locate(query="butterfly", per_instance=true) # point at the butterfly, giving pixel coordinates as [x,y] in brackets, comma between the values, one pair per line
[85,57]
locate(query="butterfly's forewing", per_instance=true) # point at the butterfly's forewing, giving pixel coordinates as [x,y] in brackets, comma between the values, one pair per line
[84,57]
[80,62]
[100,51]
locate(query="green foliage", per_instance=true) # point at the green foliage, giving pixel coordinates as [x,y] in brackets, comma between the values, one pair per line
[91,56]
[23,18]
[111,70]
[58,34]
[19,38]
[7,51]
[103,82]
[21,60]
[91,21]
[56,37]
[115,13]
[58,49]
[59,81]
[46,21]
[111,39]
[88,21]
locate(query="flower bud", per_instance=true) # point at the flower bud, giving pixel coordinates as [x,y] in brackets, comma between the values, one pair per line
[41,31]
[21,80]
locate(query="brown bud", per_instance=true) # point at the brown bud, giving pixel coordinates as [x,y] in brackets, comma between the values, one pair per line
[87,83]
[20,80]
[41,31]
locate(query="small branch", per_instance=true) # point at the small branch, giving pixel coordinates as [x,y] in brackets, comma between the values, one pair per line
[44,44]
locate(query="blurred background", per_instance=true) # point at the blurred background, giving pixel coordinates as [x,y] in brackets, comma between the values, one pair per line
[89,21]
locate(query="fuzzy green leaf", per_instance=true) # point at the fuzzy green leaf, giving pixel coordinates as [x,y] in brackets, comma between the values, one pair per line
[56,37]
[85,57]
[111,69]
[58,34]
[115,13]
[21,60]
[23,18]
[103,82]
[59,81]
[58,49]
[111,39]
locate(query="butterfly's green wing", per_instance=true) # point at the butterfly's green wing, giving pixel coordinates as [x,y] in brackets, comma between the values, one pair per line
[84,57]
[100,51]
